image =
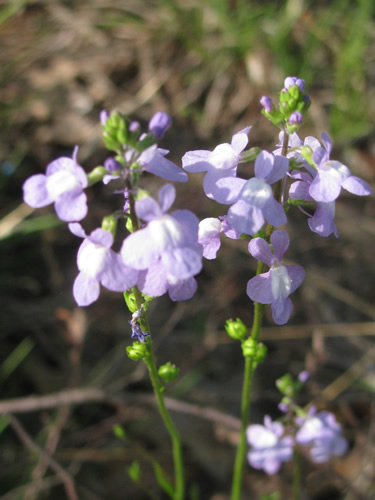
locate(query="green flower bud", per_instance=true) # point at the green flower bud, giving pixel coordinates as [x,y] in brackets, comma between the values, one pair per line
[295,92]
[261,352]
[109,223]
[249,348]
[137,351]
[286,385]
[236,329]
[168,372]
[96,175]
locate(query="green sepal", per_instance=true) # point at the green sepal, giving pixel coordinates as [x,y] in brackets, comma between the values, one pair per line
[96,175]
[109,223]
[168,372]
[129,225]
[131,301]
[261,352]
[236,329]
[249,348]
[286,385]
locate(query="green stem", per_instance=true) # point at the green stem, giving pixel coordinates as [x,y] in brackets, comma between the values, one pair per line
[173,433]
[179,489]
[246,402]
[250,366]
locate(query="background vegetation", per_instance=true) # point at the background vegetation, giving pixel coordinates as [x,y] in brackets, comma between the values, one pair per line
[206,64]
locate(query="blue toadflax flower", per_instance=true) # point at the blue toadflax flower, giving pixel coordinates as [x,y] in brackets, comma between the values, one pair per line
[219,163]
[62,185]
[274,286]
[269,449]
[99,265]
[166,251]
[323,432]
[253,201]
[332,176]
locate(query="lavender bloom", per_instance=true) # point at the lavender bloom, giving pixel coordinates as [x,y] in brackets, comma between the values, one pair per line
[269,448]
[219,163]
[159,123]
[209,235]
[253,199]
[274,286]
[332,176]
[266,102]
[99,265]
[322,431]
[62,185]
[322,222]
[166,252]
[294,80]
[153,160]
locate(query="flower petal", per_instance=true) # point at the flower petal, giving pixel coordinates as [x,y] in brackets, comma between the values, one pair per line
[71,207]
[35,192]
[259,289]
[85,290]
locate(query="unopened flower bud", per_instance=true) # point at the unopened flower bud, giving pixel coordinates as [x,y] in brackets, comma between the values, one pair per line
[168,372]
[249,348]
[236,329]
[266,102]
[295,118]
[159,124]
[137,351]
[293,80]
[104,115]
[261,352]
[112,165]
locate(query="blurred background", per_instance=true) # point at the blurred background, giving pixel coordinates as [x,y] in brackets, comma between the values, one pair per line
[207,64]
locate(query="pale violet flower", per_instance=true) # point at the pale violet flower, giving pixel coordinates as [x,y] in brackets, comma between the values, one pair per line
[62,185]
[219,163]
[209,235]
[332,176]
[166,251]
[99,265]
[269,449]
[322,222]
[153,160]
[323,433]
[274,286]
[253,201]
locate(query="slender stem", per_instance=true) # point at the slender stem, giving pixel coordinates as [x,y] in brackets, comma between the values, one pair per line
[174,435]
[179,489]
[250,365]
[246,402]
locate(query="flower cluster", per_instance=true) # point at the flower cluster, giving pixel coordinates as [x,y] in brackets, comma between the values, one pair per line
[274,442]
[271,445]
[163,252]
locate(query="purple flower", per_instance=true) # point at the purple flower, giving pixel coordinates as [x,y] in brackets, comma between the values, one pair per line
[103,116]
[322,431]
[253,199]
[332,176]
[322,222]
[159,123]
[153,160]
[166,251]
[209,235]
[269,448]
[99,265]
[274,286]
[62,185]
[219,163]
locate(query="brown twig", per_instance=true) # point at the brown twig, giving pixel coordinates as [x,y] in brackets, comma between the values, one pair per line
[60,471]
